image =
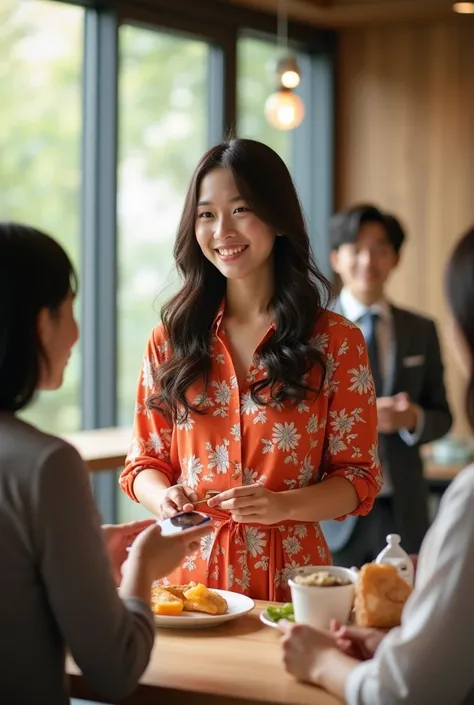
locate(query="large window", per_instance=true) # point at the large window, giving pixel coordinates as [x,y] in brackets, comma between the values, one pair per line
[306,150]
[40,148]
[163,134]
[256,64]
[105,110]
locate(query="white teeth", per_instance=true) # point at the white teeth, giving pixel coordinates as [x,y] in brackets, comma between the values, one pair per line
[232,251]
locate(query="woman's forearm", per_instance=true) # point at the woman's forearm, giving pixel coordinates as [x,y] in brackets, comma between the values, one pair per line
[149,487]
[136,580]
[329,499]
[333,670]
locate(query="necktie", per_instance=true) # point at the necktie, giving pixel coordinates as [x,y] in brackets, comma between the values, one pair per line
[371,319]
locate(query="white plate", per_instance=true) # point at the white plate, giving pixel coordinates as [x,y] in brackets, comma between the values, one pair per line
[264,617]
[238,605]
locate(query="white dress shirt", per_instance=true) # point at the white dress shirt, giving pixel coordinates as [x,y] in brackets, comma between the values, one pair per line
[355,311]
[428,659]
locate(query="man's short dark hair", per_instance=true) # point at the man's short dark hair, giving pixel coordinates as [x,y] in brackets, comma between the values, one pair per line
[345,226]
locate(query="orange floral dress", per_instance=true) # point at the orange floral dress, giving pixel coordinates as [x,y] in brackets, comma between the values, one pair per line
[284,446]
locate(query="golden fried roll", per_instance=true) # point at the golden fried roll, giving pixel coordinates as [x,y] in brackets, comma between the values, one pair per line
[380,595]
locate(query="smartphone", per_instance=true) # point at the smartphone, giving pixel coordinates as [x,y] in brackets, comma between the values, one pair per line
[182,521]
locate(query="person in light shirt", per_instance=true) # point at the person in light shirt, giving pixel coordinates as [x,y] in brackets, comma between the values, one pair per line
[406,363]
[428,659]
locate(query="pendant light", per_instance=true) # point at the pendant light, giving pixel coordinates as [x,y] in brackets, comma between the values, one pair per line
[464,8]
[284,110]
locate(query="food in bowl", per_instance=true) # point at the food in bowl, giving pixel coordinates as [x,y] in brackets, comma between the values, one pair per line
[173,600]
[322,593]
[380,595]
[321,579]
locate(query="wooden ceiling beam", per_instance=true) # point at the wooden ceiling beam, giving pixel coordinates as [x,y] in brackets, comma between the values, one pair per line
[362,13]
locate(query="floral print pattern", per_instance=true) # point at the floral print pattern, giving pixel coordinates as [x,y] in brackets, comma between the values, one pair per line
[284,446]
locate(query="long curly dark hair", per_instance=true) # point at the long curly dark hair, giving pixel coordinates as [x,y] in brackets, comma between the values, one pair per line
[300,296]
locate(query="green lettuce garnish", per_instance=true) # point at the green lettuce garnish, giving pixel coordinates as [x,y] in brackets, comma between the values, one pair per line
[285,612]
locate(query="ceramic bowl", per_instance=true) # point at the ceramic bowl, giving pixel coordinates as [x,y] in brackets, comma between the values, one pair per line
[315,606]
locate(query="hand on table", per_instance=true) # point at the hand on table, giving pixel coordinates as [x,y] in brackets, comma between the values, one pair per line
[304,649]
[118,537]
[359,642]
[395,413]
[251,504]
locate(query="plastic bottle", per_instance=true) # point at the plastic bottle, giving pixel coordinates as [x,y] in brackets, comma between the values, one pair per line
[393,554]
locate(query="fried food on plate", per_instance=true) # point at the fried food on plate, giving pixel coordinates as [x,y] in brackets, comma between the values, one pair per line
[165,603]
[200,599]
[178,590]
[380,595]
[172,600]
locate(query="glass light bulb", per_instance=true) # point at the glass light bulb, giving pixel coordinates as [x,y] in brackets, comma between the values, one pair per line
[464,8]
[284,110]
[290,79]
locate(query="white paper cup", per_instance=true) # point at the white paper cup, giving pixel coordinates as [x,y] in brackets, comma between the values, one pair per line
[315,606]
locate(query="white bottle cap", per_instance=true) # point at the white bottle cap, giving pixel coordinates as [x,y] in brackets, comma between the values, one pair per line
[393,554]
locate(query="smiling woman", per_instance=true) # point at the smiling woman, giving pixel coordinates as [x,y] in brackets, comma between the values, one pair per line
[245,385]
[226,227]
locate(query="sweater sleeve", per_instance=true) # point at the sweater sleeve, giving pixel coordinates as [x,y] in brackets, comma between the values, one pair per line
[110,640]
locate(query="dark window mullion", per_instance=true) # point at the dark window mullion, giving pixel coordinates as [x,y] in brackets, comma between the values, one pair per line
[222,88]
[313,150]
[99,246]
[215,91]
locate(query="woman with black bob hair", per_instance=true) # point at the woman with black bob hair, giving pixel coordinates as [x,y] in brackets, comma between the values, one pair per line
[57,586]
[251,390]
[428,659]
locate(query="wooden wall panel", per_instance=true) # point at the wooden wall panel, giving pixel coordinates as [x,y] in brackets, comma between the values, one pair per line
[405,135]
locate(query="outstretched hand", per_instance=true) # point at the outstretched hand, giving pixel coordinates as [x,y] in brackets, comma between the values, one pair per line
[118,537]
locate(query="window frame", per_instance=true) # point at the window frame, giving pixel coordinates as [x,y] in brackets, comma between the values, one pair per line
[220,25]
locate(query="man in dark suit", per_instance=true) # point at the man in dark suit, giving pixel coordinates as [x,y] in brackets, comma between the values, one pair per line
[406,363]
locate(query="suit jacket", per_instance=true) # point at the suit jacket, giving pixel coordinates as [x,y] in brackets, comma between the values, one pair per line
[418,371]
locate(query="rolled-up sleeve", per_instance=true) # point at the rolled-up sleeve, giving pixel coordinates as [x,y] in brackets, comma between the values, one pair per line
[152,432]
[351,445]
[429,658]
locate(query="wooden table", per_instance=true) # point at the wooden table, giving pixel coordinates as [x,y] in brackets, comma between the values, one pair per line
[439,475]
[234,664]
[102,448]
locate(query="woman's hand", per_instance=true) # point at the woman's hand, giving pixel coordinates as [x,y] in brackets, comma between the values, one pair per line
[118,537]
[159,555]
[359,642]
[175,499]
[305,650]
[251,504]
